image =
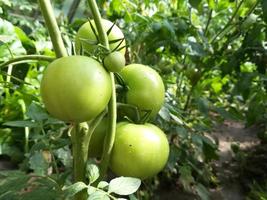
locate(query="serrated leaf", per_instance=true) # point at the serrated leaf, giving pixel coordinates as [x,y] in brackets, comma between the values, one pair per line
[102,184]
[99,195]
[92,172]
[124,185]
[74,189]
[22,123]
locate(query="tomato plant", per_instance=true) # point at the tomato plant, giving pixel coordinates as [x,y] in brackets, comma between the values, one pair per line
[114,62]
[75,88]
[97,139]
[145,88]
[140,150]
[86,37]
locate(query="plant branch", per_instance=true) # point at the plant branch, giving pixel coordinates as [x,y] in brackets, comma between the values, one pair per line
[97,18]
[80,142]
[228,23]
[72,10]
[27,58]
[208,22]
[112,107]
[51,23]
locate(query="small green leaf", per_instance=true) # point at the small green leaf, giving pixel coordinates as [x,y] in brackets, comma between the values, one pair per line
[38,163]
[71,190]
[99,195]
[211,4]
[186,177]
[102,184]
[92,172]
[91,190]
[124,185]
[22,123]
[195,3]
[202,192]
[36,112]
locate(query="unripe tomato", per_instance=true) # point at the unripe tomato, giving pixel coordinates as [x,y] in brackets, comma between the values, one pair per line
[140,150]
[114,62]
[75,88]
[145,88]
[86,38]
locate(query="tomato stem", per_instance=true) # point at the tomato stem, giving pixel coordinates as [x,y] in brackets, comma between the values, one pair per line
[80,141]
[51,23]
[112,107]
[27,58]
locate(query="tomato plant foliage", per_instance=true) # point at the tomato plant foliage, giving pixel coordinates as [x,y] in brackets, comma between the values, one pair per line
[210,61]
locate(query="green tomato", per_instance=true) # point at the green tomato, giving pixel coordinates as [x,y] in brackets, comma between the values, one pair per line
[114,62]
[140,150]
[86,38]
[75,88]
[145,88]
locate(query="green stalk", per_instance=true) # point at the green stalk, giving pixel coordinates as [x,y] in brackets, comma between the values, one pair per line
[80,131]
[80,142]
[26,58]
[51,23]
[112,107]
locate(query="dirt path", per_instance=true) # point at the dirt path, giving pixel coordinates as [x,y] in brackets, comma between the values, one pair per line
[227,134]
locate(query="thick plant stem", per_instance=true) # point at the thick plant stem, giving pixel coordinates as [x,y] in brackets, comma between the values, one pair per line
[74,6]
[97,18]
[27,58]
[112,107]
[51,23]
[80,141]
[110,137]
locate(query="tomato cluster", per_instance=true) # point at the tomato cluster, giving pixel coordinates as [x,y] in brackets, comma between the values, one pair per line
[78,88]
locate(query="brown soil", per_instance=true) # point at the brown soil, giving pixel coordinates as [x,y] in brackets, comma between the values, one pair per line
[228,133]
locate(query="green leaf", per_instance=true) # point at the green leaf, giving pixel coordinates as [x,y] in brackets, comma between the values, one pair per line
[195,3]
[12,182]
[102,184]
[124,185]
[22,123]
[91,190]
[202,192]
[64,155]
[186,177]
[92,172]
[99,195]
[73,189]
[211,4]
[36,112]
[38,163]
